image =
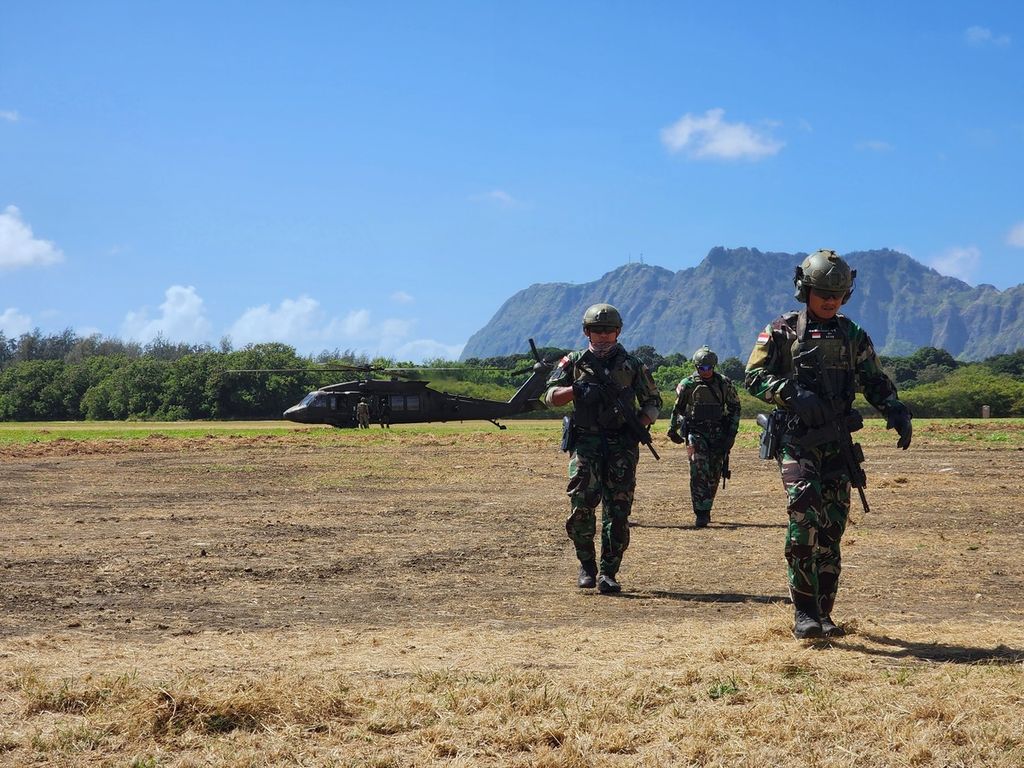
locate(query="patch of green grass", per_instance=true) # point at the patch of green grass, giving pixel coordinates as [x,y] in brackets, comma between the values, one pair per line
[723,688]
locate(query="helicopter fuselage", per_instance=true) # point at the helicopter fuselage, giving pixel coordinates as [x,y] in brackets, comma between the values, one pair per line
[410,402]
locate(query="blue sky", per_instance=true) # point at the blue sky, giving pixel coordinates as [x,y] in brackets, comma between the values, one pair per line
[382,176]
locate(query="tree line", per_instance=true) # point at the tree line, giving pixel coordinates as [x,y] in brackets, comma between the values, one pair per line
[67,377]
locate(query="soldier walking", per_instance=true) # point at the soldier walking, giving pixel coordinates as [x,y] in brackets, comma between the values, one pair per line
[363,413]
[603,447]
[706,418]
[809,364]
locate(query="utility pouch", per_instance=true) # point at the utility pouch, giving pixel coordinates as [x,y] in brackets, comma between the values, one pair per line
[568,434]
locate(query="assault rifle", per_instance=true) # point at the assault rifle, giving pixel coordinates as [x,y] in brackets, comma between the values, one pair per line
[811,373]
[612,394]
[726,472]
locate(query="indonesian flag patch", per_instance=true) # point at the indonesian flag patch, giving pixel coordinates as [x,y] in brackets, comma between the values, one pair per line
[762,339]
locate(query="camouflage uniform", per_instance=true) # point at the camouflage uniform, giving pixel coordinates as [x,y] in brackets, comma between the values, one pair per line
[709,409]
[815,477]
[602,468]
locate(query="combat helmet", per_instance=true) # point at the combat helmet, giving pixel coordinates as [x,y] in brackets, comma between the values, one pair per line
[825,270]
[602,316]
[704,356]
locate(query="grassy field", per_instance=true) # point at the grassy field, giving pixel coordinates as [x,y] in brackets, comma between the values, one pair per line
[267,594]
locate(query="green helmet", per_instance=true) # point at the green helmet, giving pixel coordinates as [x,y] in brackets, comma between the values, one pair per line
[825,270]
[602,316]
[704,356]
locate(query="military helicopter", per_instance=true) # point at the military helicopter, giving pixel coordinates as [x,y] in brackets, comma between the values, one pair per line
[413,402]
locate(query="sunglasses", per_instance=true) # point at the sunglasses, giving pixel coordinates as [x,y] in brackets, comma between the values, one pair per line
[828,294]
[705,368]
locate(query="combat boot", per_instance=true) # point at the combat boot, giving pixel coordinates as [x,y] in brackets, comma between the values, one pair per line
[805,618]
[607,585]
[588,575]
[702,520]
[828,627]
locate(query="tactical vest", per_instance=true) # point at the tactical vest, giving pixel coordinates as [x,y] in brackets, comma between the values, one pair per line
[705,406]
[833,340]
[600,417]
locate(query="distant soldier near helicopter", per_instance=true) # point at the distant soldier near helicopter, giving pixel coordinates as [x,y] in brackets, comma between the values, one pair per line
[604,383]
[809,364]
[363,413]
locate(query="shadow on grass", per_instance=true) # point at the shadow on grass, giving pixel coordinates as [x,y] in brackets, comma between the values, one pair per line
[956,654]
[708,597]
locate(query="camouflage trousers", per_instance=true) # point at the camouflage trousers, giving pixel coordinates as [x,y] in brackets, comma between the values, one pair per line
[705,474]
[602,471]
[818,487]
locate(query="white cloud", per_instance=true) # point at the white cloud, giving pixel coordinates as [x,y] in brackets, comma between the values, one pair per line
[13,323]
[709,136]
[182,318]
[1015,236]
[19,247]
[293,322]
[356,323]
[875,145]
[428,349]
[979,36]
[303,324]
[9,115]
[401,297]
[961,262]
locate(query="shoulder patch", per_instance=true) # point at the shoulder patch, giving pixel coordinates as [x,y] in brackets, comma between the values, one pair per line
[763,338]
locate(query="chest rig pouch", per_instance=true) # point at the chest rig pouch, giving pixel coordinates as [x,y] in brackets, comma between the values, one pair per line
[835,348]
[705,406]
[600,417]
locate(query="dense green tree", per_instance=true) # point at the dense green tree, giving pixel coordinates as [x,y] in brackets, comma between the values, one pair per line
[30,391]
[650,357]
[262,394]
[732,368]
[1011,364]
[965,391]
[78,378]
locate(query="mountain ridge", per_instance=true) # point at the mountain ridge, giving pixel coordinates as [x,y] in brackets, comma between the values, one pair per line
[726,299]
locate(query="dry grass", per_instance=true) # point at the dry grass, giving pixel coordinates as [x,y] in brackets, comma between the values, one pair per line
[431,620]
[658,695]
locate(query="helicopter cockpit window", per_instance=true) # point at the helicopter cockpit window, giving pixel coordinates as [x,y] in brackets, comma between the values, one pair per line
[412,402]
[308,399]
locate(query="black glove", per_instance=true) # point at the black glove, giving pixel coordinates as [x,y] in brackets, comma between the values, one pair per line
[675,437]
[586,393]
[900,419]
[812,410]
[730,441]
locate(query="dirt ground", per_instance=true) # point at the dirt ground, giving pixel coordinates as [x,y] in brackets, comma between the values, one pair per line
[147,538]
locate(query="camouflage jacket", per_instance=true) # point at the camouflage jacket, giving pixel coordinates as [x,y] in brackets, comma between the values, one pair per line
[711,408]
[770,366]
[625,369]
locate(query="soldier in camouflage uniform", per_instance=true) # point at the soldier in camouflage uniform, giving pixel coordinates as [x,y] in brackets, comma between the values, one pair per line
[706,417]
[814,473]
[602,465]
